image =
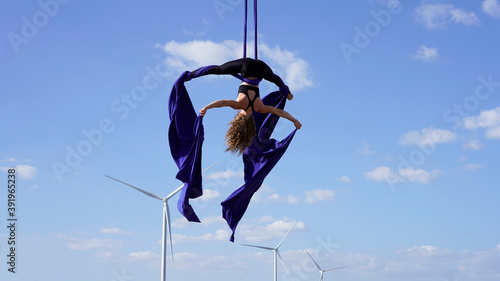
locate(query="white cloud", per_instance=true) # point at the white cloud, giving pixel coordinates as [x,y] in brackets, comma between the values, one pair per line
[485,119]
[23,171]
[427,136]
[213,220]
[388,175]
[493,133]
[438,16]
[366,149]
[433,16]
[384,173]
[224,178]
[472,145]
[345,179]
[294,70]
[473,167]
[316,195]
[219,235]
[180,223]
[461,16]
[266,194]
[489,119]
[188,261]
[139,256]
[26,171]
[193,54]
[108,256]
[297,72]
[114,230]
[80,244]
[426,54]
[208,195]
[143,256]
[290,199]
[277,229]
[183,223]
[424,262]
[422,249]
[428,261]
[419,175]
[491,7]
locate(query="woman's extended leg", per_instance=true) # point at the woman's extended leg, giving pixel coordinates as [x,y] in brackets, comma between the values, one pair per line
[231,67]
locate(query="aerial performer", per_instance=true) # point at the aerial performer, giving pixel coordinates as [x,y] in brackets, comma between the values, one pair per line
[249,133]
[242,128]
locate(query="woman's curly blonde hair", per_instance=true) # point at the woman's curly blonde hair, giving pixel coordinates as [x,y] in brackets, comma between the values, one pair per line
[240,134]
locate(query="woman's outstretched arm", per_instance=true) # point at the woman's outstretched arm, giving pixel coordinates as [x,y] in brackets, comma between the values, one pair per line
[280,113]
[220,103]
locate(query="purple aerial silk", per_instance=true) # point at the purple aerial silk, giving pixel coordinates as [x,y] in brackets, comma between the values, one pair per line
[245,28]
[259,159]
[186,137]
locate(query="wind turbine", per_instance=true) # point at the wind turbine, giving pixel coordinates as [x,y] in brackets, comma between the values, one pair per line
[321,271]
[276,254]
[166,221]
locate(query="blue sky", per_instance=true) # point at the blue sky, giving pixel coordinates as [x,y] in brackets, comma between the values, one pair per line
[393,174]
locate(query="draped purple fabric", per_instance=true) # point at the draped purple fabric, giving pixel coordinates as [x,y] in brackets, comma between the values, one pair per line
[186,135]
[259,159]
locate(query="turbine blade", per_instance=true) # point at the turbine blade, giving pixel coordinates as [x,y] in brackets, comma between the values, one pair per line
[209,167]
[335,268]
[174,192]
[321,276]
[138,189]
[285,235]
[261,247]
[319,268]
[180,187]
[169,228]
[283,262]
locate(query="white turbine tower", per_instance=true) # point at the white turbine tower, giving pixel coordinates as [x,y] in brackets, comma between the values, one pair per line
[166,221]
[321,271]
[276,254]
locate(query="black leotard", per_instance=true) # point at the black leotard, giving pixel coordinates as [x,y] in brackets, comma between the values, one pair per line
[244,90]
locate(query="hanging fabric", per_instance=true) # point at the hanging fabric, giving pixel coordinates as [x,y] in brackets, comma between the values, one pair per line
[186,136]
[245,29]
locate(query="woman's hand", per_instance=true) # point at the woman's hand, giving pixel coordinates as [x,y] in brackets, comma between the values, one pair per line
[290,96]
[203,111]
[297,124]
